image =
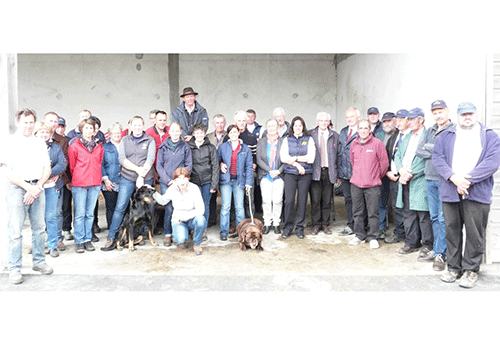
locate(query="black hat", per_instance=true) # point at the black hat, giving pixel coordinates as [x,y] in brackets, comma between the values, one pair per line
[188,91]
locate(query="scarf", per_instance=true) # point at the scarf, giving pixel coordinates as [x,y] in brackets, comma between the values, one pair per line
[171,145]
[88,144]
[273,149]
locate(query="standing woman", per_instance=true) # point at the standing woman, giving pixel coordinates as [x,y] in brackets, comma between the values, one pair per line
[269,173]
[173,153]
[236,167]
[297,152]
[85,159]
[111,168]
[136,154]
[52,186]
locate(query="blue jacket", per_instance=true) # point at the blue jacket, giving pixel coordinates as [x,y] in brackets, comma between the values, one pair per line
[180,115]
[57,163]
[244,167]
[111,165]
[168,160]
[344,162]
[482,175]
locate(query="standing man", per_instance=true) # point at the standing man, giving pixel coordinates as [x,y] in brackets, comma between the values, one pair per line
[347,135]
[283,126]
[252,126]
[325,173]
[152,116]
[189,112]
[374,119]
[158,131]
[26,166]
[369,164]
[83,115]
[412,192]
[61,128]
[441,116]
[216,138]
[466,156]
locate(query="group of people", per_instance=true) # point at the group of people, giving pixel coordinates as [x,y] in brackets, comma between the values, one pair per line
[273,168]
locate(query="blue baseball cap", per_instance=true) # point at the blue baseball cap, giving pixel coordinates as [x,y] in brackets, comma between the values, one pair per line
[373,110]
[62,121]
[439,104]
[465,108]
[388,116]
[402,113]
[415,112]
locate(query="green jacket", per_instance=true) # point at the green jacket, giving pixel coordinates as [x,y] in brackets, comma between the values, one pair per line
[418,185]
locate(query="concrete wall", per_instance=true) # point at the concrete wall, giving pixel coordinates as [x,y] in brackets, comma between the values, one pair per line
[395,81]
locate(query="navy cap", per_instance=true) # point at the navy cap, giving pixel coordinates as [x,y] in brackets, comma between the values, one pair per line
[438,105]
[62,121]
[388,116]
[373,110]
[402,113]
[415,112]
[465,108]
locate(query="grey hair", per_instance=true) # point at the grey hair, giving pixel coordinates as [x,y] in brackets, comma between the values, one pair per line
[322,113]
[114,125]
[277,110]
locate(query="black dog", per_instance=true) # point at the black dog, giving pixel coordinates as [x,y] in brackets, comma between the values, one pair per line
[137,216]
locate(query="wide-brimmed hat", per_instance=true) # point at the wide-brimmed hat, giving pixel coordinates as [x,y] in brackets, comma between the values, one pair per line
[188,91]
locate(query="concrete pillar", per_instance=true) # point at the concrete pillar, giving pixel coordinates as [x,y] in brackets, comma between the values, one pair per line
[173,77]
[8,107]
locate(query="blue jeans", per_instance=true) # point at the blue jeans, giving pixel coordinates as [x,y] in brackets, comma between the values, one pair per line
[52,196]
[167,221]
[437,217]
[226,191]
[126,189]
[16,215]
[59,214]
[85,199]
[206,195]
[180,230]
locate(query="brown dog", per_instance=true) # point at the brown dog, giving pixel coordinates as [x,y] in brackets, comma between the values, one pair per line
[250,235]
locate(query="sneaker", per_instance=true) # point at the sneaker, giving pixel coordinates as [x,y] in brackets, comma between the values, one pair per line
[61,246]
[439,263]
[355,241]
[167,241]
[43,269]
[424,252]
[68,236]
[88,246]
[468,280]
[79,248]
[15,277]
[346,232]
[54,253]
[450,276]
[374,244]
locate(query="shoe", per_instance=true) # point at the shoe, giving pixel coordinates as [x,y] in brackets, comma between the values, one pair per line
[327,230]
[393,239]
[197,249]
[167,241]
[68,236]
[468,280]
[15,277]
[182,246]
[266,230]
[88,246]
[43,268]
[439,263]
[79,248]
[54,253]
[382,235]
[223,237]
[204,238]
[429,256]
[277,229]
[355,241]
[285,234]
[232,229]
[406,250]
[450,276]
[424,252]
[346,232]
[374,244]
[61,246]
[315,230]
[110,245]
[96,229]
[300,234]
[94,238]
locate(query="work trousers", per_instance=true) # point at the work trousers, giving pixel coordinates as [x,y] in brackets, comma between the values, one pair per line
[295,184]
[418,227]
[345,187]
[321,199]
[365,202]
[474,215]
[399,229]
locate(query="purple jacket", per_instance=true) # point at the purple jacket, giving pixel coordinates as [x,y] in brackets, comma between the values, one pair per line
[482,175]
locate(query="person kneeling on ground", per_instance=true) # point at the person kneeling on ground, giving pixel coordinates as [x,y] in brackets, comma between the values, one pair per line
[188,213]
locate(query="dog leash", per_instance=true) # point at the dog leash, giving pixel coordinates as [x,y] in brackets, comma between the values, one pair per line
[249,191]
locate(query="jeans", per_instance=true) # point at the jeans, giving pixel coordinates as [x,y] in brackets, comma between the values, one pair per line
[437,217]
[206,195]
[16,215]
[52,196]
[227,190]
[180,230]
[85,199]
[60,215]
[126,189]
[169,209]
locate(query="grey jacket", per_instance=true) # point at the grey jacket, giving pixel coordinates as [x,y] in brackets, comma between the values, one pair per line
[261,158]
[139,154]
[425,148]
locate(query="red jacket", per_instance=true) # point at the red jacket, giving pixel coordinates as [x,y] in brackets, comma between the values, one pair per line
[85,167]
[153,133]
[369,162]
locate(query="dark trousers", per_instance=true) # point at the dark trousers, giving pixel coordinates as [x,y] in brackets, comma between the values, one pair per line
[365,203]
[346,191]
[67,209]
[321,199]
[418,226]
[212,218]
[382,207]
[474,215]
[295,184]
[399,230]
[110,199]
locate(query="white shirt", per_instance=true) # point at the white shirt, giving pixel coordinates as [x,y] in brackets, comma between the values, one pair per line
[467,150]
[26,156]
[325,134]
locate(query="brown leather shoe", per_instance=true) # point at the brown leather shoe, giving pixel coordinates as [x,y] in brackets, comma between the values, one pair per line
[167,241]
[232,229]
[315,230]
[406,250]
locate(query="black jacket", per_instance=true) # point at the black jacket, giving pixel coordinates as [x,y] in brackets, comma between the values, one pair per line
[205,164]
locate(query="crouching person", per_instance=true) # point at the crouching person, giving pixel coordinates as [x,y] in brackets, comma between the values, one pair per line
[189,209]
